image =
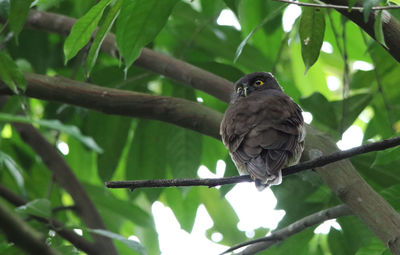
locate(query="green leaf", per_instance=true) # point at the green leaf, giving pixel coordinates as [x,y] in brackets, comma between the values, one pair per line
[321,109]
[312,29]
[19,10]
[14,169]
[387,156]
[368,4]
[375,247]
[354,105]
[10,74]
[134,245]
[147,155]
[391,195]
[378,29]
[184,146]
[101,35]
[38,207]
[56,125]
[112,145]
[223,215]
[138,24]
[184,205]
[83,29]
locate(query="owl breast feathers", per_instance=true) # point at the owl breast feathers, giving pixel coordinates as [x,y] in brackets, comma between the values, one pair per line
[263,129]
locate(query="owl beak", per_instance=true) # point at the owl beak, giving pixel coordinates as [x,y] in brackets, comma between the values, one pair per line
[245,87]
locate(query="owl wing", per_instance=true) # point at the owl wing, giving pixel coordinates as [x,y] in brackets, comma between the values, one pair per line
[263,132]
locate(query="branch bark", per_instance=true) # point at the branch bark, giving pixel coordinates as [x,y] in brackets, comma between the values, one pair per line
[280,235]
[23,235]
[66,178]
[69,235]
[177,111]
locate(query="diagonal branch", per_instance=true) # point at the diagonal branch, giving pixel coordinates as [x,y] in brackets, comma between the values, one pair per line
[66,178]
[280,235]
[317,162]
[78,241]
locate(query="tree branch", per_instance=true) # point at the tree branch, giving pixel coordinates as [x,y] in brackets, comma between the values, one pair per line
[66,178]
[212,182]
[69,235]
[23,235]
[338,7]
[181,112]
[294,228]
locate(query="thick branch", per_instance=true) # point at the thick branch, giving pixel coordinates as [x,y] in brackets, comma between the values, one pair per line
[23,235]
[177,111]
[294,228]
[66,178]
[317,162]
[69,235]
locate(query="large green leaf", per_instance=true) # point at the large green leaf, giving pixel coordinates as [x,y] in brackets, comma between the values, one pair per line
[221,212]
[14,170]
[312,29]
[83,29]
[10,74]
[18,12]
[56,125]
[147,155]
[138,24]
[101,35]
[184,205]
[112,145]
[184,146]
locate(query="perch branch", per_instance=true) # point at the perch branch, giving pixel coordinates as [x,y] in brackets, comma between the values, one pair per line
[277,236]
[23,235]
[69,235]
[317,162]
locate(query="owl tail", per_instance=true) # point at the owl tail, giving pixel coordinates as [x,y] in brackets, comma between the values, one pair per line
[272,180]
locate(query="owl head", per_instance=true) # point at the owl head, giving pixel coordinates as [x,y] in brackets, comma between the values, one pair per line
[253,82]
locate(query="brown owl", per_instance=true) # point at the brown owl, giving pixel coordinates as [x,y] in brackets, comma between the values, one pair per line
[263,129]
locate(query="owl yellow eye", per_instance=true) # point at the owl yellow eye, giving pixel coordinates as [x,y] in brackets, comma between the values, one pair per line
[258,83]
[238,89]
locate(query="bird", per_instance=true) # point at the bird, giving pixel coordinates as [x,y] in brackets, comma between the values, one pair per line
[263,129]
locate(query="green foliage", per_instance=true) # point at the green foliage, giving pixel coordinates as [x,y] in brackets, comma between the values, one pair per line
[139,23]
[18,12]
[10,74]
[148,149]
[83,29]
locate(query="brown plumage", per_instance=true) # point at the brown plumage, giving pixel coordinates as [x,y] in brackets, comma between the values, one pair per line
[263,129]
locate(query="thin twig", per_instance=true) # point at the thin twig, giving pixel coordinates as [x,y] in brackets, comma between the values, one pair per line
[294,228]
[345,78]
[339,7]
[318,162]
